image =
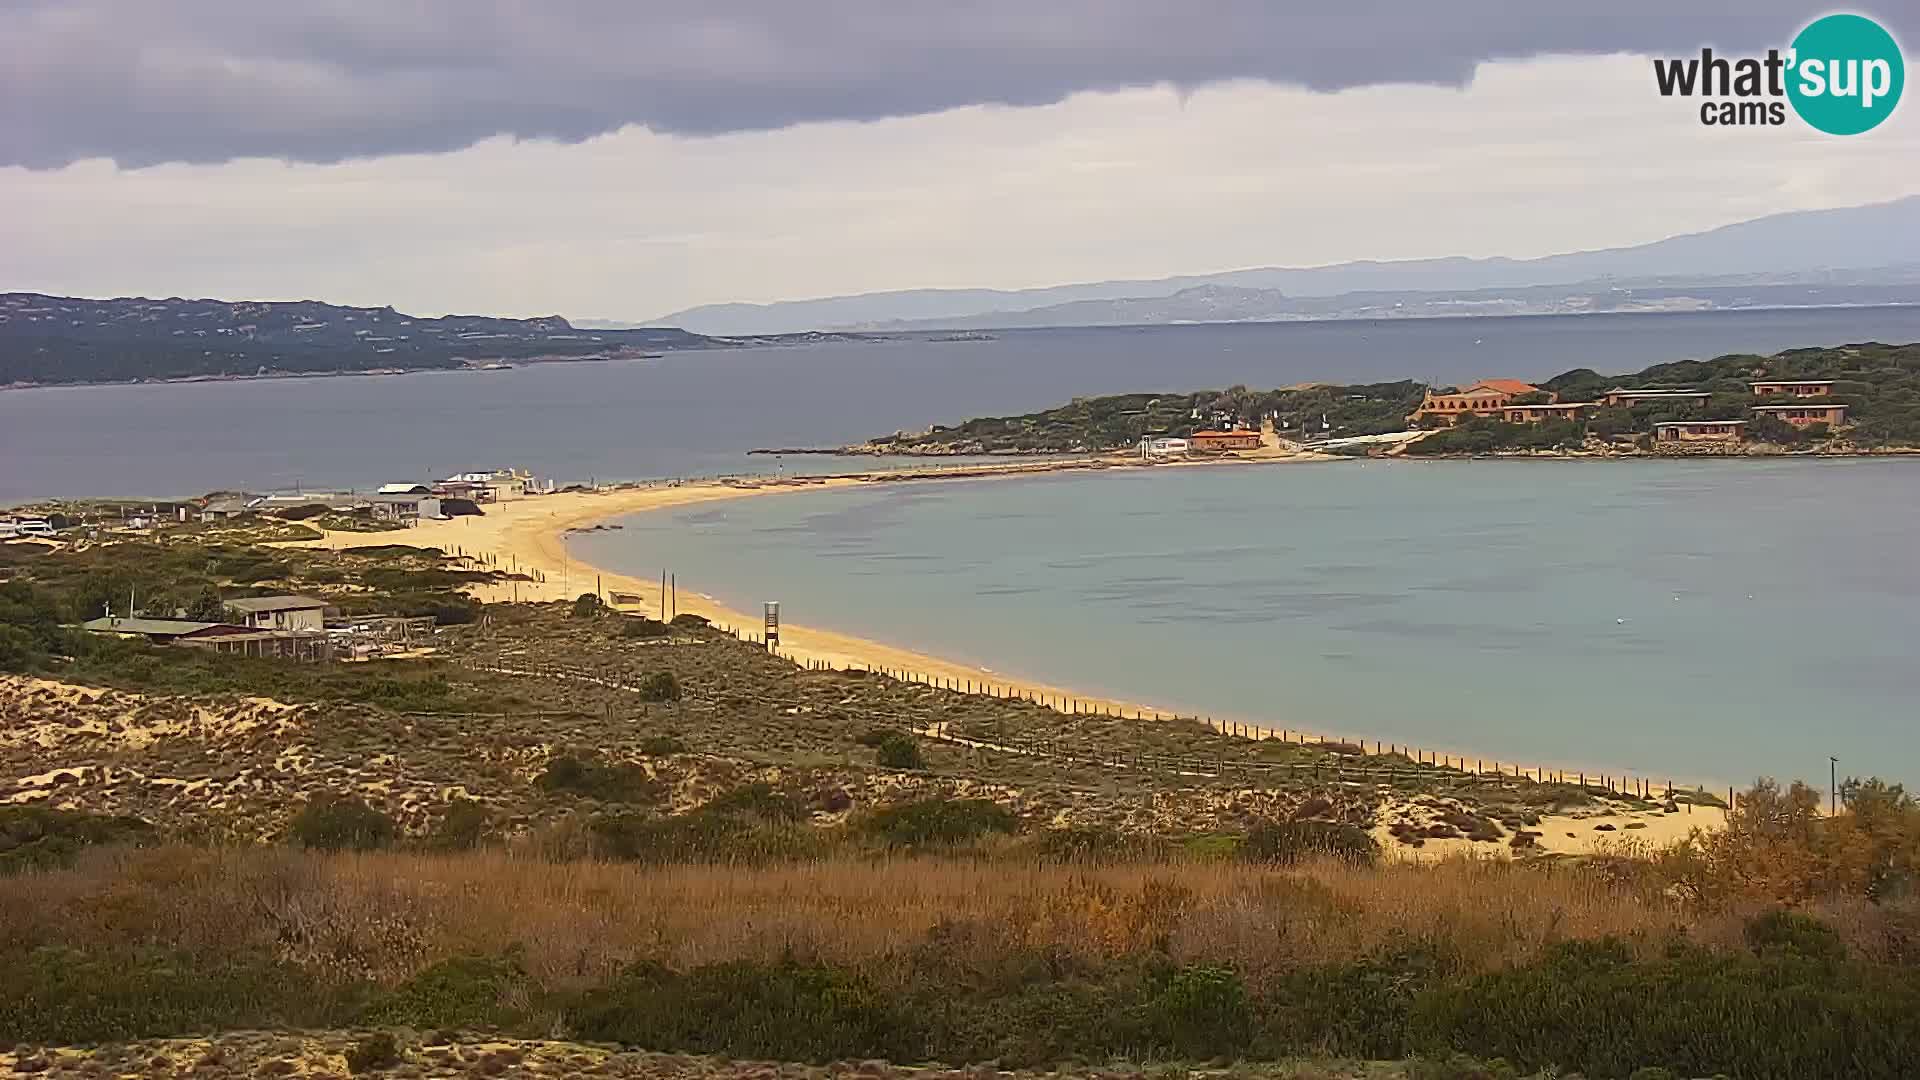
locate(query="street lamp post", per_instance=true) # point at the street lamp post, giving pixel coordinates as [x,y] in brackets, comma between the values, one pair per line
[1833,786]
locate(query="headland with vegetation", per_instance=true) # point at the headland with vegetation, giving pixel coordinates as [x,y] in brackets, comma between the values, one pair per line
[1728,405]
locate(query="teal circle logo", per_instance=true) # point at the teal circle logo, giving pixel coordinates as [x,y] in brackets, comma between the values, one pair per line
[1846,74]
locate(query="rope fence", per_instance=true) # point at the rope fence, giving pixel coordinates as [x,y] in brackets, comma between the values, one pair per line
[1335,767]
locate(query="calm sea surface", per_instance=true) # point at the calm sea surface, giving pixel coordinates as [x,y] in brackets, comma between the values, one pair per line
[697,413]
[1702,620]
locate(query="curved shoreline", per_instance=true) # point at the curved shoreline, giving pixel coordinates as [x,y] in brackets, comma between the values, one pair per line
[529,534]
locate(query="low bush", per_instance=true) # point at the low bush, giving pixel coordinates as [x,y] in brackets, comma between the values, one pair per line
[1794,934]
[372,1053]
[460,992]
[39,837]
[1200,1012]
[465,825]
[662,745]
[900,751]
[342,823]
[787,1011]
[1589,1005]
[66,995]
[1285,843]
[658,686]
[591,776]
[757,800]
[939,822]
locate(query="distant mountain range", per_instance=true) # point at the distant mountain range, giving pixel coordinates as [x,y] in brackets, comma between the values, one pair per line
[59,339]
[1843,256]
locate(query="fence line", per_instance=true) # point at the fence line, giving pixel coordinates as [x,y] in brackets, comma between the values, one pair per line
[1451,768]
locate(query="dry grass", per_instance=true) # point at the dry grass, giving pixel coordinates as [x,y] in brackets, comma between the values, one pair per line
[383,916]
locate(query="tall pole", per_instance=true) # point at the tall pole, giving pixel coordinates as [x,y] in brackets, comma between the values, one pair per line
[1833,786]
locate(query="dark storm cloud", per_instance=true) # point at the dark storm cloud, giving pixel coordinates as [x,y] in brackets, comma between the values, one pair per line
[320,80]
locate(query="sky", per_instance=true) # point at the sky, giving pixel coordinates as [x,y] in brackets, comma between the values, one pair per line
[622,160]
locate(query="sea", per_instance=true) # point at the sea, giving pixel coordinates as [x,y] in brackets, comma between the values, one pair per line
[1707,622]
[697,413]
[1714,621]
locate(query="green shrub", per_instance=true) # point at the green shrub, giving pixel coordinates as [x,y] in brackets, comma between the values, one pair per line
[1796,935]
[463,827]
[1287,842]
[1200,1012]
[757,800]
[459,992]
[900,751]
[940,821]
[40,837]
[1590,1006]
[373,1052]
[588,606]
[873,737]
[689,621]
[662,745]
[1358,1009]
[589,775]
[18,650]
[1211,847]
[1459,1067]
[67,996]
[658,686]
[342,823]
[786,1011]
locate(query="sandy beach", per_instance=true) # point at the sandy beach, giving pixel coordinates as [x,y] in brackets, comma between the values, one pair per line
[528,535]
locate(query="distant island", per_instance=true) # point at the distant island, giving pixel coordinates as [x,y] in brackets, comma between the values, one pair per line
[1849,398]
[50,340]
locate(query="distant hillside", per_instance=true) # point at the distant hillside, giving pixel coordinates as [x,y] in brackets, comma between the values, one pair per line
[1809,243]
[58,339]
[1897,285]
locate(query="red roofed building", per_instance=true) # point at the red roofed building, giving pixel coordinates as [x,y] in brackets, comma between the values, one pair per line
[1488,397]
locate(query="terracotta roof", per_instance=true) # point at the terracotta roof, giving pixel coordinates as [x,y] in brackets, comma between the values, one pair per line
[1224,434]
[1505,386]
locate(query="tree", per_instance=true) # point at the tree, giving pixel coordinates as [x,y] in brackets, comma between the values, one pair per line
[207,607]
[588,606]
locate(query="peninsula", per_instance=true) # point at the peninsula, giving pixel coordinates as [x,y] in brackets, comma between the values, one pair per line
[1861,398]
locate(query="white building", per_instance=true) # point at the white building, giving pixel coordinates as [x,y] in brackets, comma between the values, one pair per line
[279,612]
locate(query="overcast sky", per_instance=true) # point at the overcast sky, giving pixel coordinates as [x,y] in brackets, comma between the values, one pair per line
[622,160]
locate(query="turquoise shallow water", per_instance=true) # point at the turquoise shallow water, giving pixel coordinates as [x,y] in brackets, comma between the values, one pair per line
[1708,621]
